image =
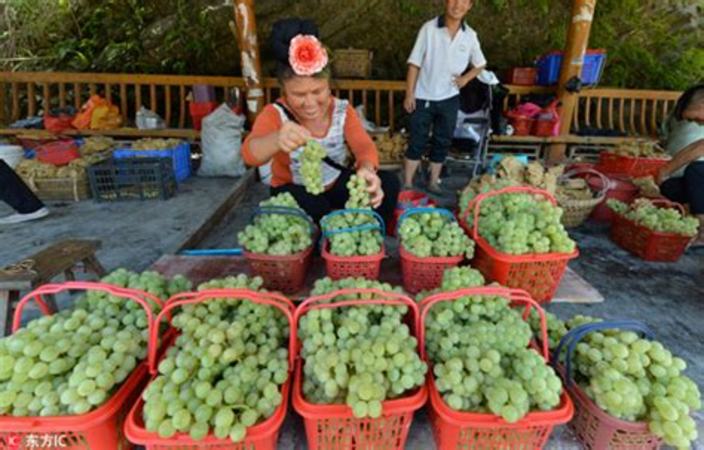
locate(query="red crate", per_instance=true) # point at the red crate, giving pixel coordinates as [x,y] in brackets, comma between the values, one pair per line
[611,163]
[648,244]
[334,427]
[539,274]
[424,274]
[100,429]
[338,267]
[262,436]
[455,429]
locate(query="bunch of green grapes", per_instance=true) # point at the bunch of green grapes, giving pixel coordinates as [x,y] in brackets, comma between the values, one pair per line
[71,362]
[225,371]
[358,242]
[311,167]
[361,355]
[636,379]
[520,223]
[453,279]
[666,220]
[430,234]
[277,234]
[478,346]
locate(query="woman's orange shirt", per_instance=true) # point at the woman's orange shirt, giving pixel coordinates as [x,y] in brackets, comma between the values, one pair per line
[268,121]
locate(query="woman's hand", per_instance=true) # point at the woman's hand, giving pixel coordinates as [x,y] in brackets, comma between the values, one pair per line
[373,185]
[661,176]
[291,136]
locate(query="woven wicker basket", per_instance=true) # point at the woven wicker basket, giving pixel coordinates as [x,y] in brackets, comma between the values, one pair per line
[67,189]
[352,63]
[576,212]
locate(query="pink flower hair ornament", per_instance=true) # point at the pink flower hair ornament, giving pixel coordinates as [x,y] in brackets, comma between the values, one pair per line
[306,55]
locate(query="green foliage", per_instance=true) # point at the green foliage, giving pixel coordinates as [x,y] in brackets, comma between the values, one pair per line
[650,44]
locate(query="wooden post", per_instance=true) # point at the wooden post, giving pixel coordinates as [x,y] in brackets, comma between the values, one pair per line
[3,104]
[577,42]
[246,34]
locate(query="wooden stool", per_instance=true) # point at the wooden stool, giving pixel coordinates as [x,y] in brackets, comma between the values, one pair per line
[41,268]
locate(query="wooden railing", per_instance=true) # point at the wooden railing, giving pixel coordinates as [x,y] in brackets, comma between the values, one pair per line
[630,111]
[22,94]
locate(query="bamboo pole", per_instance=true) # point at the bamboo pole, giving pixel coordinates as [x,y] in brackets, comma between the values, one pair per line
[246,34]
[577,42]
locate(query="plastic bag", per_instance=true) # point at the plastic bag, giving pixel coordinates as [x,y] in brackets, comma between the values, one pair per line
[97,114]
[58,120]
[221,141]
[149,120]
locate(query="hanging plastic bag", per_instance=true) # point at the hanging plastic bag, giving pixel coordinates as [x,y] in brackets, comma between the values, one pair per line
[221,141]
[97,114]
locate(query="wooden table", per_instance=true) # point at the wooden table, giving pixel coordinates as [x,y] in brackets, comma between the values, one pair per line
[40,268]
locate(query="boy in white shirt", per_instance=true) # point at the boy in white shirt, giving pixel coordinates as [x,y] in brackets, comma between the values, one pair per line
[443,49]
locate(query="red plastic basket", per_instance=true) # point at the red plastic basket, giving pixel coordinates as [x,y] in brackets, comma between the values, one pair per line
[281,273]
[648,244]
[338,267]
[598,430]
[262,436]
[100,429]
[58,153]
[538,274]
[594,428]
[545,128]
[334,427]
[407,199]
[634,167]
[421,274]
[522,125]
[463,430]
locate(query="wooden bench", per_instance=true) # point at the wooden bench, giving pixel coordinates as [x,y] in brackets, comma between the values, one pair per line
[40,268]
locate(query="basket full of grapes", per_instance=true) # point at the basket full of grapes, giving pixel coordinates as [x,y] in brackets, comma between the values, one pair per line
[353,238]
[225,381]
[360,376]
[73,375]
[521,241]
[629,391]
[431,241]
[489,388]
[278,243]
[654,230]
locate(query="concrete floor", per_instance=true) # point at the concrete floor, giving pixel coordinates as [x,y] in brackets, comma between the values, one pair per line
[134,233]
[667,297]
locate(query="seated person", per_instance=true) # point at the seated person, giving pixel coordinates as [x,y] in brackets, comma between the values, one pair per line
[15,193]
[307,110]
[682,179]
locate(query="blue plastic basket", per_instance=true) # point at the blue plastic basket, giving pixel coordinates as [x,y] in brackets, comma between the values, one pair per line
[549,66]
[180,155]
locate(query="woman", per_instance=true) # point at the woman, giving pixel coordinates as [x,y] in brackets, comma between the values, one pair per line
[682,179]
[306,111]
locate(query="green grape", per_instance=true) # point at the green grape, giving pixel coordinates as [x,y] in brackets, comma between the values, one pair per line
[359,356]
[274,233]
[72,362]
[311,167]
[481,360]
[519,223]
[199,393]
[634,379]
[433,234]
[666,220]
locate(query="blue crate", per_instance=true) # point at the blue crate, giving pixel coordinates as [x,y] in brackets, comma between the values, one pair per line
[180,155]
[549,67]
